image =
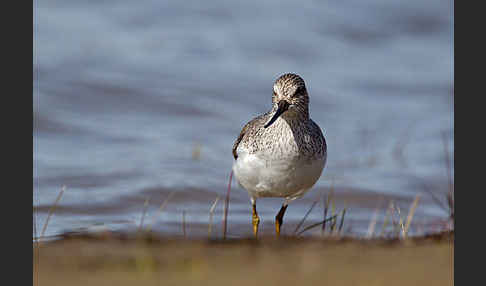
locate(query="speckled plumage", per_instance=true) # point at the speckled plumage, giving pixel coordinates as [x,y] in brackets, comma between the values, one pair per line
[285,138]
[287,158]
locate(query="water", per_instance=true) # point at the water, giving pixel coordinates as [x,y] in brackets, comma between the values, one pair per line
[133,101]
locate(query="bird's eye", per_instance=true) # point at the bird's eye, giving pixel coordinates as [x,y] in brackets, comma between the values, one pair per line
[298,91]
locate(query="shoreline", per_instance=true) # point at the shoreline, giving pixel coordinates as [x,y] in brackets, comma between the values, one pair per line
[128,259]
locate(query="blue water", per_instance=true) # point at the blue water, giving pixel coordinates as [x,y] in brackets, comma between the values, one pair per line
[133,100]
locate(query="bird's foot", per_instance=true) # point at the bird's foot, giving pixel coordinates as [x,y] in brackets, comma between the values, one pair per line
[256,222]
[277,228]
[279,219]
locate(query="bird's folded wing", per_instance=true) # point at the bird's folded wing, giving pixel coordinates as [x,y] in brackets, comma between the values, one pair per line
[254,124]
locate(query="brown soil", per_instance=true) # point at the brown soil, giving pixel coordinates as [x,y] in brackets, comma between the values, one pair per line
[129,260]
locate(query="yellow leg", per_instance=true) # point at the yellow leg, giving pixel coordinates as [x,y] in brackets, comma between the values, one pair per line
[279,219]
[255,220]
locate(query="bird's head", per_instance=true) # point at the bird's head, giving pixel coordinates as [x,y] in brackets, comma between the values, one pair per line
[289,97]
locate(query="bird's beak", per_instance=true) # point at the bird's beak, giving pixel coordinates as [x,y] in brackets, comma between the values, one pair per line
[283,105]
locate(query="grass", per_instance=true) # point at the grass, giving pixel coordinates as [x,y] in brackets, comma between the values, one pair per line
[329,198]
[51,211]
[342,219]
[184,223]
[447,207]
[161,208]
[305,216]
[387,216]
[335,222]
[372,224]
[450,194]
[392,257]
[411,212]
[150,259]
[211,214]
[317,224]
[330,225]
[145,206]
[226,206]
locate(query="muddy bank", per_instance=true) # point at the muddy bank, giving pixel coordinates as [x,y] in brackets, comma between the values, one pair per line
[130,260]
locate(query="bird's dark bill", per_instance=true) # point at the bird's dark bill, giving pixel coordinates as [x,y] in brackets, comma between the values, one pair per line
[282,107]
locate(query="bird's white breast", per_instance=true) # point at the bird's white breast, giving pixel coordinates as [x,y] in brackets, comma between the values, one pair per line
[264,176]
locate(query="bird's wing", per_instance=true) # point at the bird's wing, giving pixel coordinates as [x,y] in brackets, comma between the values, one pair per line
[252,124]
[238,140]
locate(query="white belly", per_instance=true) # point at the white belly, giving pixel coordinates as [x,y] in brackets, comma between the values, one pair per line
[289,178]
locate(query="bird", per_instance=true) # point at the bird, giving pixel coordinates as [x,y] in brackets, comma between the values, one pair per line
[281,153]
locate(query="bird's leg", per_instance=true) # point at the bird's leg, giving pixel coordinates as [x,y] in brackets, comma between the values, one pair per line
[279,218]
[255,219]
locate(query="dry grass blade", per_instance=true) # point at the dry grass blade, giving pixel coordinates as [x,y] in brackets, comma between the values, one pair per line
[371,226]
[400,221]
[387,216]
[162,206]
[184,223]
[447,160]
[306,215]
[316,224]
[145,206]
[211,213]
[34,222]
[226,207]
[450,201]
[434,198]
[334,221]
[411,213]
[392,215]
[326,206]
[51,211]
[342,219]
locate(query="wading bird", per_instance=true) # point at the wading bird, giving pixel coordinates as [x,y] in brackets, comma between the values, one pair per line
[280,153]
